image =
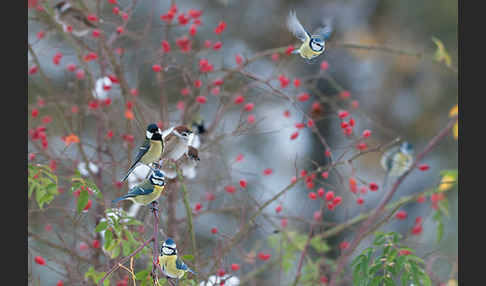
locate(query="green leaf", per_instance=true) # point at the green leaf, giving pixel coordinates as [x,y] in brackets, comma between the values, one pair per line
[142,275]
[188,257]
[101,226]
[125,247]
[374,269]
[319,244]
[388,281]
[108,238]
[405,278]
[444,207]
[116,250]
[440,231]
[379,239]
[106,282]
[82,200]
[414,258]
[376,281]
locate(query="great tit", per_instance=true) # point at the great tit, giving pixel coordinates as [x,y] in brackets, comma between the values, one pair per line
[147,191]
[312,45]
[69,16]
[397,160]
[151,149]
[172,266]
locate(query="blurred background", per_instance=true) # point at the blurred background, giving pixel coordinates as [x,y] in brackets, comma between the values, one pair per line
[399,96]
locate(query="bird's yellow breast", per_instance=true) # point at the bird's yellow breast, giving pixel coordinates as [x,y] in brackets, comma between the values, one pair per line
[168,265]
[154,152]
[306,51]
[145,200]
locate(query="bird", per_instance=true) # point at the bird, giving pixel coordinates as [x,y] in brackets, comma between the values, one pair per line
[312,44]
[397,160]
[149,190]
[176,142]
[172,266]
[151,149]
[68,16]
[184,144]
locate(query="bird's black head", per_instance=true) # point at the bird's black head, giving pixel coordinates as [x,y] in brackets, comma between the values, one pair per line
[157,178]
[200,126]
[153,132]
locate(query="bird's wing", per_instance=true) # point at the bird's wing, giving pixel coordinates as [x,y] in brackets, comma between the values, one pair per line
[325,31]
[386,158]
[296,28]
[140,191]
[141,151]
[181,265]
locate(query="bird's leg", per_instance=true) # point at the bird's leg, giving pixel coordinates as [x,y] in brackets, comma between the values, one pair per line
[154,206]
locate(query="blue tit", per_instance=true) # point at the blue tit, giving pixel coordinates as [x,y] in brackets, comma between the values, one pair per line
[312,45]
[397,161]
[69,16]
[151,149]
[172,266]
[147,191]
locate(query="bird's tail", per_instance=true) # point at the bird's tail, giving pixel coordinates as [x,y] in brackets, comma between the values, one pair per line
[296,51]
[121,198]
[129,172]
[385,180]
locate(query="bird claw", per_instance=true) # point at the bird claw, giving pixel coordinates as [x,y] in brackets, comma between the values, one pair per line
[154,206]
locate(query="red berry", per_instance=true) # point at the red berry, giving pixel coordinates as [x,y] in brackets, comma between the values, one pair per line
[404,252]
[423,167]
[317,216]
[239,99]
[33,70]
[344,245]
[289,50]
[275,57]
[80,74]
[312,196]
[59,283]
[293,179]
[366,133]
[351,122]
[264,256]
[324,279]
[88,205]
[217,46]
[320,192]
[287,113]
[325,175]
[284,81]
[373,187]
[294,135]
[249,106]
[230,189]
[238,59]
[41,34]
[83,246]
[361,146]
[35,112]
[360,201]
[214,230]
[267,171]
[354,104]
[278,209]
[401,215]
[344,94]
[96,243]
[119,30]
[296,82]
[310,123]
[156,68]
[39,260]
[329,196]
[283,222]
[48,227]
[337,200]
[417,229]
[324,65]
[198,207]
[243,183]
[343,114]
[344,124]
[421,199]
[220,28]
[303,97]
[330,206]
[201,99]
[418,220]
[235,267]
